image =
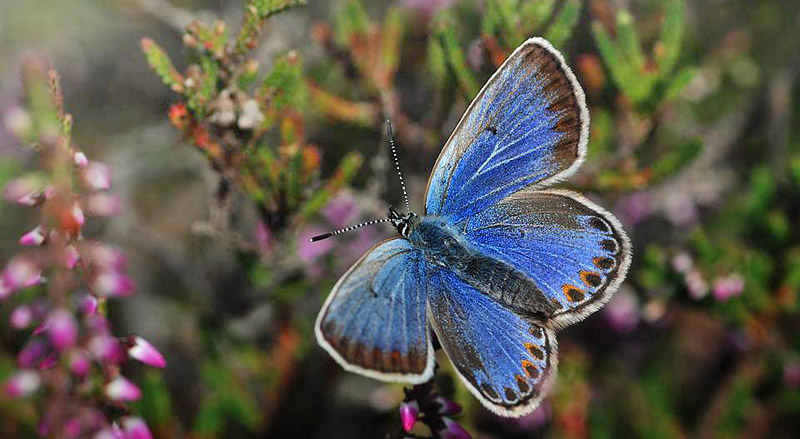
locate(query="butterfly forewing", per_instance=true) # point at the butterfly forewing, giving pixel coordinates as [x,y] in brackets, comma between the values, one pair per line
[527,126]
[374,321]
[508,362]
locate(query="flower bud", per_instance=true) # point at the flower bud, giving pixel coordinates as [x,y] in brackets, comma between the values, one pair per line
[97,176]
[21,317]
[145,352]
[135,428]
[452,430]
[80,159]
[448,407]
[62,329]
[112,284]
[120,389]
[34,237]
[409,413]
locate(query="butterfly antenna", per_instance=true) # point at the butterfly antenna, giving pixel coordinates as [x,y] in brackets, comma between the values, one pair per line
[347,229]
[390,136]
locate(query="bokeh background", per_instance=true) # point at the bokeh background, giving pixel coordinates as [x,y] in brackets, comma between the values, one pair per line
[695,146]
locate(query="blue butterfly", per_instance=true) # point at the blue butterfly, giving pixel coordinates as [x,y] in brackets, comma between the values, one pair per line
[499,261]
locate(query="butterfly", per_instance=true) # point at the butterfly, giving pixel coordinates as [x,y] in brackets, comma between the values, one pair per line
[500,261]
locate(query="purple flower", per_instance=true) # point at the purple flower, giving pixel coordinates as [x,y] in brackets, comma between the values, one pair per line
[448,407]
[72,256]
[49,361]
[23,383]
[409,413]
[79,364]
[106,348]
[341,210]
[622,312]
[62,329]
[452,430]
[72,428]
[97,176]
[728,286]
[145,352]
[536,419]
[263,238]
[32,354]
[34,237]
[88,305]
[135,428]
[635,208]
[309,251]
[120,389]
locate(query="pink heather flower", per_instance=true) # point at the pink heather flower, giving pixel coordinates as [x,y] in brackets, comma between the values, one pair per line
[106,348]
[40,329]
[448,407]
[791,374]
[682,262]
[79,364]
[88,305]
[341,210]
[635,208]
[21,317]
[18,121]
[97,176]
[23,383]
[112,432]
[80,159]
[120,389]
[107,256]
[135,428]
[103,204]
[72,256]
[681,209]
[77,215]
[145,352]
[72,428]
[409,413]
[32,354]
[696,284]
[452,430]
[21,272]
[62,329]
[728,286]
[49,361]
[34,237]
[622,312]
[112,284]
[475,54]
[5,292]
[26,190]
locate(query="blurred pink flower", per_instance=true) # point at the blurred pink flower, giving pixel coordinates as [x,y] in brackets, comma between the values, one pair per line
[79,364]
[696,284]
[263,238]
[341,210]
[635,208]
[682,262]
[23,383]
[622,312]
[106,348]
[112,283]
[72,256]
[681,209]
[103,204]
[21,272]
[120,389]
[135,428]
[97,176]
[62,329]
[428,7]
[49,361]
[141,350]
[80,159]
[309,251]
[536,419]
[452,430]
[27,190]
[475,54]
[448,407]
[33,353]
[728,286]
[107,256]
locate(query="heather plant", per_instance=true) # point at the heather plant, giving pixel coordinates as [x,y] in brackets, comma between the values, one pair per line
[694,146]
[57,287]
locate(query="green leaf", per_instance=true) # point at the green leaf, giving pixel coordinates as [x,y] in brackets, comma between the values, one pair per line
[536,13]
[161,64]
[155,405]
[564,23]
[671,37]
[678,82]
[457,61]
[676,159]
[284,86]
[352,20]
[392,39]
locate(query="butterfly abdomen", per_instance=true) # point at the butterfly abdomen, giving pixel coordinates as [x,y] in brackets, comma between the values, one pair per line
[444,247]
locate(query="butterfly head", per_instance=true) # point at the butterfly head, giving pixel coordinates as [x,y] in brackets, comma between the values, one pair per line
[403,223]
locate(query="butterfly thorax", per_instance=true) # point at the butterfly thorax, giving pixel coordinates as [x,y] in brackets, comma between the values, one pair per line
[443,246]
[404,224]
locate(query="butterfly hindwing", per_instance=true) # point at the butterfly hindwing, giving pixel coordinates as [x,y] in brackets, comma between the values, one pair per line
[508,362]
[527,126]
[574,251]
[374,321]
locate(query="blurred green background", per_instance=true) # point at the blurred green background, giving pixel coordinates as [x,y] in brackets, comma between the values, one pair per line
[695,146]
